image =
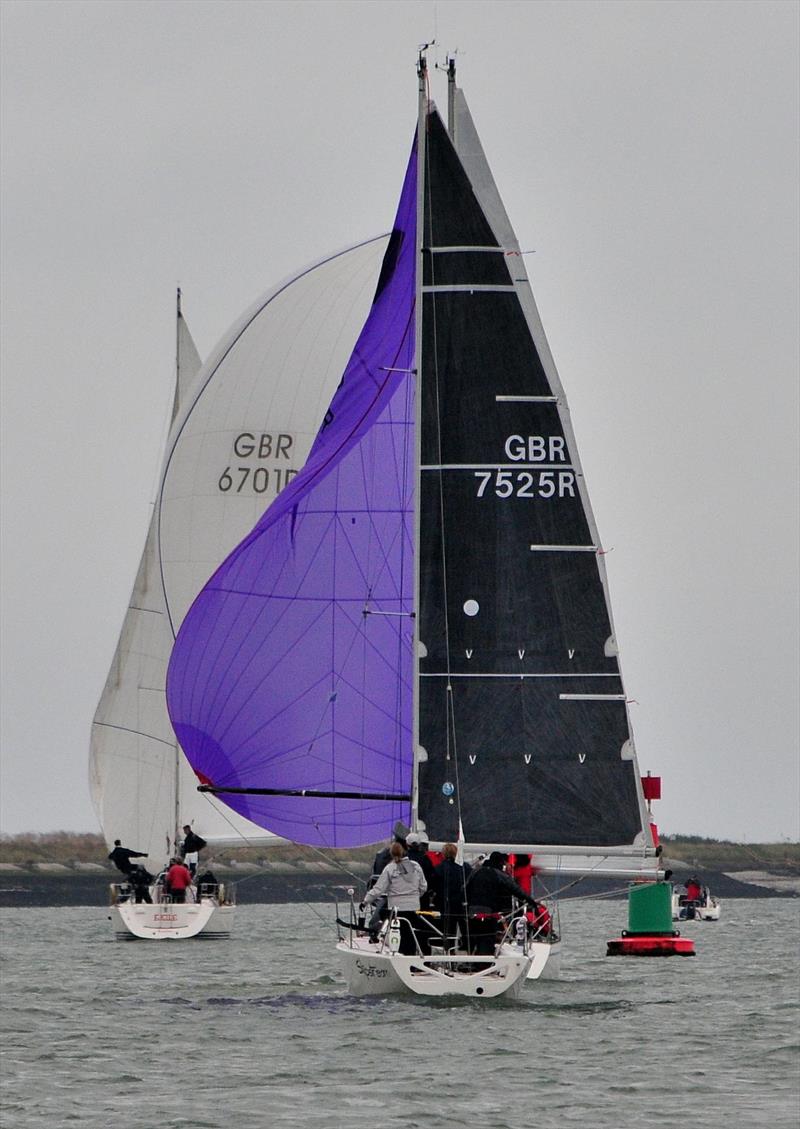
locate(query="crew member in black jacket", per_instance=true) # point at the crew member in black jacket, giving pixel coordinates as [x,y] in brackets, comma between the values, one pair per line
[121,857]
[490,891]
[190,849]
[449,889]
[418,853]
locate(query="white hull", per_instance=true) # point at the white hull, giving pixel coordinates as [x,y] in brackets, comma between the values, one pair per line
[372,970]
[546,963]
[708,909]
[167,921]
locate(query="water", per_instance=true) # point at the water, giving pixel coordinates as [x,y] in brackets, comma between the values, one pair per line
[258,1031]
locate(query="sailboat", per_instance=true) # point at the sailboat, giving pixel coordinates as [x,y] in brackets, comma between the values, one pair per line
[418,628]
[234,441]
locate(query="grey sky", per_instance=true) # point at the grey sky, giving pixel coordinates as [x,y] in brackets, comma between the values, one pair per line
[647,153]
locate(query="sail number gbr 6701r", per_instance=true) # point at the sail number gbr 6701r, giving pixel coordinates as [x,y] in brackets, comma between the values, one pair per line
[552,481]
[257,464]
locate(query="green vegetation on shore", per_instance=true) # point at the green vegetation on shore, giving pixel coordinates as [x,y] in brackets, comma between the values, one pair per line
[69,848]
[718,854]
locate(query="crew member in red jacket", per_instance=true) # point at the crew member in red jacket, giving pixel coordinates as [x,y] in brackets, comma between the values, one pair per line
[693,890]
[521,870]
[178,880]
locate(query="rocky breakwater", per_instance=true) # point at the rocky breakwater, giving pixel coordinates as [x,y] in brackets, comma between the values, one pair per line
[88,883]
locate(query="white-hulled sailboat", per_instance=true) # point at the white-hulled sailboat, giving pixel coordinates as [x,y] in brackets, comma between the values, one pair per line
[242,425]
[418,628]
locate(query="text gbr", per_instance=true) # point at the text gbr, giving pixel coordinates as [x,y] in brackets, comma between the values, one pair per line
[554,482]
[249,449]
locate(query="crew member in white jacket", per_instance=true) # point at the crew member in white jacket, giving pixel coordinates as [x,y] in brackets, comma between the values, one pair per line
[402,883]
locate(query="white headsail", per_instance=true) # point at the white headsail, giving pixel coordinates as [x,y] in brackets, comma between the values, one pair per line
[242,426]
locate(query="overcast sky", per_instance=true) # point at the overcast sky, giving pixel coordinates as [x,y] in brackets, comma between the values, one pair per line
[646,152]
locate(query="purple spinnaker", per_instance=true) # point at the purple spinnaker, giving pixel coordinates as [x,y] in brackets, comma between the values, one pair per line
[293,668]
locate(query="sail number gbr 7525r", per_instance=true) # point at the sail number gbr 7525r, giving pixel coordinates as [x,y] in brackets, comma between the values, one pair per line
[530,482]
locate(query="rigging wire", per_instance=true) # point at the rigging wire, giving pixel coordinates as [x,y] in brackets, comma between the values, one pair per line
[450,713]
[450,720]
[289,886]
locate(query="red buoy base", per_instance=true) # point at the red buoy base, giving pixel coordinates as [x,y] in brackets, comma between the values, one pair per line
[654,945]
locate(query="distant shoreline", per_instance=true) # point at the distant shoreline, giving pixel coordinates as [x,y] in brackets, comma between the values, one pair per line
[69,869]
[285,884]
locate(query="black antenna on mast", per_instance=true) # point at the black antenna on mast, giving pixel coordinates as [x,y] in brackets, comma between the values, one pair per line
[450,67]
[422,63]
[451,98]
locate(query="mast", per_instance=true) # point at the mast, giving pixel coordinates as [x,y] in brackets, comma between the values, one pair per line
[451,98]
[177,750]
[422,74]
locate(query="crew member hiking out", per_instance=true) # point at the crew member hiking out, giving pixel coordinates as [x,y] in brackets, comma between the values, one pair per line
[121,857]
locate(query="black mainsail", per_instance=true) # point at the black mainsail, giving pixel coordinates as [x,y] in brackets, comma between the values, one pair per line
[524,737]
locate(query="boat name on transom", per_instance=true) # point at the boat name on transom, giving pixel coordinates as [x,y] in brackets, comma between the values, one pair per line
[371,970]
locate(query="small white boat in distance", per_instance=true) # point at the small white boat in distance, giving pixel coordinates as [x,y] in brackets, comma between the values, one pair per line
[695,903]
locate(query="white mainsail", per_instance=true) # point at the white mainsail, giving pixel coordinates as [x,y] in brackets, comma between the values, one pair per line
[242,425]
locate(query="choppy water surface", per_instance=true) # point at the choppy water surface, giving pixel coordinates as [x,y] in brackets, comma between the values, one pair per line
[258,1031]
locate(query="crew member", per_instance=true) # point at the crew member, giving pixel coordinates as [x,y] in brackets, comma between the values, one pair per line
[402,883]
[190,848]
[490,893]
[178,879]
[140,884]
[449,884]
[379,864]
[693,890]
[522,871]
[121,857]
[418,853]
